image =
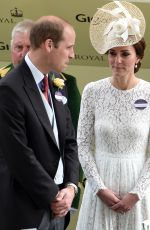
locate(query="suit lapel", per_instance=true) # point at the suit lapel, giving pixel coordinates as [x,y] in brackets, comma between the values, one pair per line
[59,114]
[36,101]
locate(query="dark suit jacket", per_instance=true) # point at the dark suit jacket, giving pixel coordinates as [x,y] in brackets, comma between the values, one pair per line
[29,155]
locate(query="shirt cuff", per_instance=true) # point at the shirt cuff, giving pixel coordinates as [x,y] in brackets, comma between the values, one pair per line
[74,186]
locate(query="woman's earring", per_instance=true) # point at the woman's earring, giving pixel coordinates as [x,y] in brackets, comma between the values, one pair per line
[136,66]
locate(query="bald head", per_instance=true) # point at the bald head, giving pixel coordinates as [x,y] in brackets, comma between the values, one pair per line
[51,18]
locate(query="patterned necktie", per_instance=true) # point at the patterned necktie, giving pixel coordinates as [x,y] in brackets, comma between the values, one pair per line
[45,87]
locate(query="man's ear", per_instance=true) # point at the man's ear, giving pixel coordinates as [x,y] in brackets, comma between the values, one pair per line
[48,44]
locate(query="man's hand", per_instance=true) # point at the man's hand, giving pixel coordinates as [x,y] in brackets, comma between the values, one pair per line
[62,203]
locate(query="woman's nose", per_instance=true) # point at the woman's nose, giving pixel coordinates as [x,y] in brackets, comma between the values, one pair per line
[118,58]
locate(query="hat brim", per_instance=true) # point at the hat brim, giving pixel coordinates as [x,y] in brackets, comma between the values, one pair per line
[102,43]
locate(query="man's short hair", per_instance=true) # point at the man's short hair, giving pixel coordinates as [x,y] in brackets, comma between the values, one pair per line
[47,27]
[22,27]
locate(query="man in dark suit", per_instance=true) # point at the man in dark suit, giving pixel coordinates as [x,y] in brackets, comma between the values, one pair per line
[38,158]
[20,45]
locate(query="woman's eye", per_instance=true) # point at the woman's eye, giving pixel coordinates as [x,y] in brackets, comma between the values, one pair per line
[125,54]
[112,53]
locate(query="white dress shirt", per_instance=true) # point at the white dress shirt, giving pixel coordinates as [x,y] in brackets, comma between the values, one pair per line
[38,77]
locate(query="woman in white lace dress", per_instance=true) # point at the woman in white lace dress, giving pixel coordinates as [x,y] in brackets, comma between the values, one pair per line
[114,127]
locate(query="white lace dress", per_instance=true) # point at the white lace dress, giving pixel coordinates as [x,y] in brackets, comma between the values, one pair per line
[114,151]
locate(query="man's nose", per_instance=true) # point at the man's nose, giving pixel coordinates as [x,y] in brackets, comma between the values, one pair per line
[72,55]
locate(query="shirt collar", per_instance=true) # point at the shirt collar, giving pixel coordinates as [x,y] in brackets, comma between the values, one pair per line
[38,76]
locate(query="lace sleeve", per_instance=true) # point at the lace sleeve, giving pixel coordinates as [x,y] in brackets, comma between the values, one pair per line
[86,140]
[143,184]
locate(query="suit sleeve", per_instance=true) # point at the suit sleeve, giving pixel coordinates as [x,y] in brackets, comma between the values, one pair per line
[71,162]
[70,153]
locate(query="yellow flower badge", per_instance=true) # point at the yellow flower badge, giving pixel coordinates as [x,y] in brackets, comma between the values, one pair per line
[4,71]
[58,82]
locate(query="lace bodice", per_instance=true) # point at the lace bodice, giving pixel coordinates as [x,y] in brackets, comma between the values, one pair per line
[115,123]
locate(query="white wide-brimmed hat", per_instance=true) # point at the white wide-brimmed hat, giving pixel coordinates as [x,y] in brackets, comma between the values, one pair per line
[117,23]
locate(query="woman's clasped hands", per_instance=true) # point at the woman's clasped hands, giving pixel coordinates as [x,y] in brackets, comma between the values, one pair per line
[116,202]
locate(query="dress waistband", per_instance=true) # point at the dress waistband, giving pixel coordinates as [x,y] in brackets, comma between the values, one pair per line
[121,155]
